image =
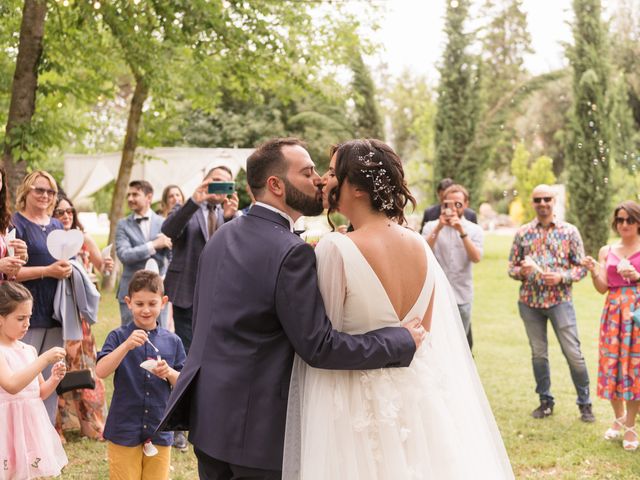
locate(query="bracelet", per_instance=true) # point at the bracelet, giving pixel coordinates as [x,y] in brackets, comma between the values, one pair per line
[464,235]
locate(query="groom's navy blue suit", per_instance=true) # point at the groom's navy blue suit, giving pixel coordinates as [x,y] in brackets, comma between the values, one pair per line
[256,302]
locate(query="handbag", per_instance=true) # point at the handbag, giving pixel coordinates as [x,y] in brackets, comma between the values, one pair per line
[77,379]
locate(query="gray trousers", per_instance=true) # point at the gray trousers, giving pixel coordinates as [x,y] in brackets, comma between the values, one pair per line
[42,339]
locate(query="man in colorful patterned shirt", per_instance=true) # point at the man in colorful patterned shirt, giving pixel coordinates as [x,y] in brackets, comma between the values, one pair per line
[545,257]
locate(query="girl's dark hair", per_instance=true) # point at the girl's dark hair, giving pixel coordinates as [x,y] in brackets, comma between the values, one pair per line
[12,294]
[75,224]
[5,209]
[632,209]
[374,167]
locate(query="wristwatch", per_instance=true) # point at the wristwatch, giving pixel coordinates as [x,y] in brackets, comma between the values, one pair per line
[462,235]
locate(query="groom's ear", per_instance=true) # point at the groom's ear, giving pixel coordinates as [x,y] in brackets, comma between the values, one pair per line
[275,185]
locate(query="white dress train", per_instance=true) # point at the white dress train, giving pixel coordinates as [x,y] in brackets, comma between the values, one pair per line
[431,420]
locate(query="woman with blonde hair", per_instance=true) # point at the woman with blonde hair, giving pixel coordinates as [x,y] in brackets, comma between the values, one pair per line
[35,200]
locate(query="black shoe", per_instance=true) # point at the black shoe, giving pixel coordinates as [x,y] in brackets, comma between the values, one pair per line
[586,415]
[544,410]
[180,441]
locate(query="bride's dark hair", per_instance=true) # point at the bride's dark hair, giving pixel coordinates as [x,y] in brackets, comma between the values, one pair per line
[374,167]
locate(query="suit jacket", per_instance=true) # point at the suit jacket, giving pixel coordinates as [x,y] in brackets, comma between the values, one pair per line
[256,302]
[187,228]
[433,213]
[131,248]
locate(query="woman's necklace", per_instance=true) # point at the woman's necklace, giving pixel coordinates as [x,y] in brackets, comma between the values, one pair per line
[43,223]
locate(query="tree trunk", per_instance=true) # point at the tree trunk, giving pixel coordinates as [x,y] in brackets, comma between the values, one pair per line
[126,164]
[23,90]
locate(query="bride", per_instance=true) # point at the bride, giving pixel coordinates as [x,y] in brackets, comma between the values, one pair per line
[428,421]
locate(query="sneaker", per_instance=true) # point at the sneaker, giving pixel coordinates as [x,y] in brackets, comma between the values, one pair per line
[586,415]
[544,410]
[180,441]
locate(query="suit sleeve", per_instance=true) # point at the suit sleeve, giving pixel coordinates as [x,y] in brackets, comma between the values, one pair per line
[126,251]
[173,227]
[300,307]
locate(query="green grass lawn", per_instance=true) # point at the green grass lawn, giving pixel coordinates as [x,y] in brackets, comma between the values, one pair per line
[557,447]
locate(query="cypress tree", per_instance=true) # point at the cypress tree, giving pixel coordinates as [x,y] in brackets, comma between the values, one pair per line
[368,118]
[589,144]
[458,104]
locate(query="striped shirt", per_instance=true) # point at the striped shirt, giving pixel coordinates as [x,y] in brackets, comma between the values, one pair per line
[555,248]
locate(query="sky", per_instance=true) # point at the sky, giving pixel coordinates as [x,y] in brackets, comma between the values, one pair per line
[412,34]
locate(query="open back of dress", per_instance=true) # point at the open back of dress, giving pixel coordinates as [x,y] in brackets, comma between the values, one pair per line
[428,421]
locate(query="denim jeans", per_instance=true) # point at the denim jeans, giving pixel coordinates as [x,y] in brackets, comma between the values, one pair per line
[563,321]
[465,315]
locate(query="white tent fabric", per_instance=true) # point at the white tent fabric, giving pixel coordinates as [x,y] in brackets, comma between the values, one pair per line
[86,174]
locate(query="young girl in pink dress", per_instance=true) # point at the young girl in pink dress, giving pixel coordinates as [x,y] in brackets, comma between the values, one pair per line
[29,445]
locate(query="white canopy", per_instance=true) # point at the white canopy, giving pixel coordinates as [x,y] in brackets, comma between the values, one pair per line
[86,174]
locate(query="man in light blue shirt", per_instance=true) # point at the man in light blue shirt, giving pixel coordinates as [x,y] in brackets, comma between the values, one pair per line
[457,244]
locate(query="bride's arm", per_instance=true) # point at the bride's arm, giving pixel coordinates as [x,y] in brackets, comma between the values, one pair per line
[331,280]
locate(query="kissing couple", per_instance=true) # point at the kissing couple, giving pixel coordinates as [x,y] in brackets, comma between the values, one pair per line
[347,362]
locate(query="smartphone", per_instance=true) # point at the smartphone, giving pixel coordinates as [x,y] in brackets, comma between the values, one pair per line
[225,188]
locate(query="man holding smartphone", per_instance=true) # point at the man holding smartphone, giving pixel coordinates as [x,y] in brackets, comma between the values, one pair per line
[457,244]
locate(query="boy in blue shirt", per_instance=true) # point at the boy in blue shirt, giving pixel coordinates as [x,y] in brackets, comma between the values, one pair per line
[140,396]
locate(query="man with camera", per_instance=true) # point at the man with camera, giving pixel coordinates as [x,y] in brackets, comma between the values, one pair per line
[189,226]
[457,243]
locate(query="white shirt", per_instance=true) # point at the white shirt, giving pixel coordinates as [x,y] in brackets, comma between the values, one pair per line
[145,226]
[453,258]
[204,206]
[278,211]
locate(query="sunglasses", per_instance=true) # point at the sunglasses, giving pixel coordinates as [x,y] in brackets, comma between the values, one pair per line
[540,199]
[455,204]
[58,212]
[44,191]
[620,221]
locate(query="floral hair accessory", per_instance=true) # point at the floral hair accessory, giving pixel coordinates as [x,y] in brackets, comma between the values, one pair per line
[382,188]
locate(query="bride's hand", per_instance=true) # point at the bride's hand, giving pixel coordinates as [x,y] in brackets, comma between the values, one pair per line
[417,331]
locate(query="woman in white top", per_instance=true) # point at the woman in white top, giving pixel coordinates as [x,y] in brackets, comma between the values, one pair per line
[428,421]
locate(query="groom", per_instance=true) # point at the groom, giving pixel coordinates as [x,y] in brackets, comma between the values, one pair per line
[256,302]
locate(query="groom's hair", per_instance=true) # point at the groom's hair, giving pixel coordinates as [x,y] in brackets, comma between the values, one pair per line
[267,160]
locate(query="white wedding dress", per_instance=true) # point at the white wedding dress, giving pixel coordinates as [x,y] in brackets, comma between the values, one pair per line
[428,421]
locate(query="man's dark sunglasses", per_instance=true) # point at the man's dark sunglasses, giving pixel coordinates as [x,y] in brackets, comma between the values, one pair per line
[539,199]
[629,220]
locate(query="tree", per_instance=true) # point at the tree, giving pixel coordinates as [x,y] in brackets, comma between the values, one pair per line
[590,139]
[411,110]
[368,119]
[505,41]
[529,175]
[458,103]
[23,91]
[185,51]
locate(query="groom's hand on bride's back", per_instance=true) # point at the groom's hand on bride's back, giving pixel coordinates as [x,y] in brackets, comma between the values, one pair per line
[417,331]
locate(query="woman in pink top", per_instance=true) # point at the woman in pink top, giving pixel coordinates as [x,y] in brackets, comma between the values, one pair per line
[618,273]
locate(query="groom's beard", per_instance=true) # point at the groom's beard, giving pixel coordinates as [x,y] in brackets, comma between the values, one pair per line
[300,202]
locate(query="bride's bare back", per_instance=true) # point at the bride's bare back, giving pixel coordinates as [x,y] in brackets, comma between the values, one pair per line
[397,257]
